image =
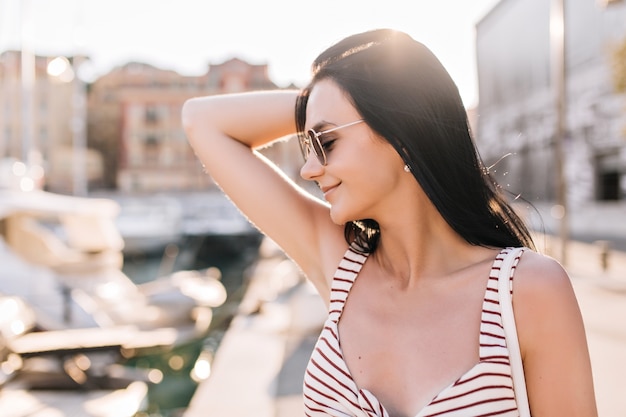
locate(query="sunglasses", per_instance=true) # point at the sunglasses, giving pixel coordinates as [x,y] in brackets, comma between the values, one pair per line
[310,142]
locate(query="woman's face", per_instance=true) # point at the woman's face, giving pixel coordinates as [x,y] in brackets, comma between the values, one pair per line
[362,170]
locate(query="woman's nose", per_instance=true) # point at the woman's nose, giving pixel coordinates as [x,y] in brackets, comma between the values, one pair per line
[311,169]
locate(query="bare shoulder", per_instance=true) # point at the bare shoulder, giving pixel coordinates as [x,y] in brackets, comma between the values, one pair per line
[538,275]
[544,300]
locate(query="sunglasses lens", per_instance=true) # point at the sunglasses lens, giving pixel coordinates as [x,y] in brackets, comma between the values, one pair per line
[314,143]
[321,155]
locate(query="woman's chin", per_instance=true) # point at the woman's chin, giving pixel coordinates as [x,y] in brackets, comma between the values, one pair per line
[338,216]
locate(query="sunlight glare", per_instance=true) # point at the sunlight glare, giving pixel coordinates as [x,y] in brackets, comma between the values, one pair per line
[18,327]
[109,290]
[176,362]
[19,168]
[155,376]
[27,184]
[202,368]
[557,211]
[61,69]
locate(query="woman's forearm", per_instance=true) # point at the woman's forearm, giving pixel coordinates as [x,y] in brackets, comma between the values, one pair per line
[254,118]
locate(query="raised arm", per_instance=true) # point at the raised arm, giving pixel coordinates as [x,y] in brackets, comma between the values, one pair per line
[253,119]
[224,130]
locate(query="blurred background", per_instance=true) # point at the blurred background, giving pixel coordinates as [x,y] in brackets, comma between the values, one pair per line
[90,101]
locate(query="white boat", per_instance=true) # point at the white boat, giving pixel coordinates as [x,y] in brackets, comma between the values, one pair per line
[148,224]
[64,256]
[16,401]
[64,372]
[199,221]
[213,225]
[213,214]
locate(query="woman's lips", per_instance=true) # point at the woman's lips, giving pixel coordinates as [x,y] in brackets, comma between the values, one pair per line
[328,190]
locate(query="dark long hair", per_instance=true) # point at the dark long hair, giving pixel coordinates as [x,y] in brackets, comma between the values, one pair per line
[405,95]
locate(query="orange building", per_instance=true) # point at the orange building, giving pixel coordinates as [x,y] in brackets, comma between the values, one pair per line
[121,132]
[134,121]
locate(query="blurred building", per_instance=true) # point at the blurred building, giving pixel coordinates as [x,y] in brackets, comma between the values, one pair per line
[134,138]
[517,111]
[36,120]
[134,120]
[518,125]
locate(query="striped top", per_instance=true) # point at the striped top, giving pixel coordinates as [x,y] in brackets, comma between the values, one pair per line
[484,390]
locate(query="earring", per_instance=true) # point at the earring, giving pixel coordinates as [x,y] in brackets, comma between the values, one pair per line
[407,168]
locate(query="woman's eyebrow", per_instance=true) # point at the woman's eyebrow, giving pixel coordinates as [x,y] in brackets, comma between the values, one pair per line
[323,125]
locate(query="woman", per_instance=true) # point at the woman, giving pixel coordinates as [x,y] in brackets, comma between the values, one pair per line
[413,213]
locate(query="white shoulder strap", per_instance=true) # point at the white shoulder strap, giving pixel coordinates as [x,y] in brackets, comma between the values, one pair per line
[510,331]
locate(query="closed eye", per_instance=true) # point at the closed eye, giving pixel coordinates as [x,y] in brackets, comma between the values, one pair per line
[327,145]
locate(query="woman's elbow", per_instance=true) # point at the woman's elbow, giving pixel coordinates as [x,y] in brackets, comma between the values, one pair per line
[189,117]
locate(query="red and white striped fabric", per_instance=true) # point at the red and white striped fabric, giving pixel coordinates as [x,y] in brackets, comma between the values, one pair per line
[484,390]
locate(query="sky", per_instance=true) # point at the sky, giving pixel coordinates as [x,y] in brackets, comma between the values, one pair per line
[188,35]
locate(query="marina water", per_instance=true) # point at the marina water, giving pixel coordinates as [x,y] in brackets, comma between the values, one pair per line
[171,396]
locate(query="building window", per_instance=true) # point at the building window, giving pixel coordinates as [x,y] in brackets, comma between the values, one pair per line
[152,115]
[151,150]
[608,187]
[608,178]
